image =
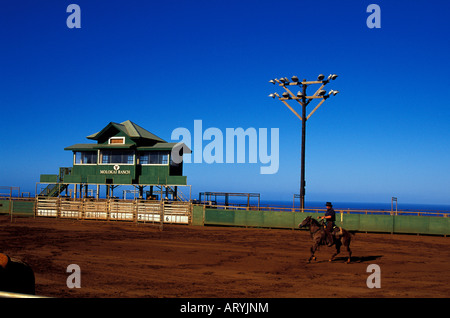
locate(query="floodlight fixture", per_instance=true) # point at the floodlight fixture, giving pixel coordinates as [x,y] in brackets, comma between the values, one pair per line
[304,100]
[332,76]
[272,81]
[333,92]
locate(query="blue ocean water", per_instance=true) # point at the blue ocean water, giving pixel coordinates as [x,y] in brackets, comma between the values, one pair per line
[415,207]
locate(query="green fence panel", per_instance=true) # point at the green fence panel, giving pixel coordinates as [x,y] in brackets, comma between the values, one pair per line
[17,207]
[197,215]
[4,206]
[255,218]
[240,217]
[349,221]
[411,224]
[275,219]
[353,222]
[219,217]
[439,225]
[376,223]
[249,218]
[23,207]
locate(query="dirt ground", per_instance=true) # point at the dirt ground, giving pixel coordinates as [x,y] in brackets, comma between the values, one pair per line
[127,260]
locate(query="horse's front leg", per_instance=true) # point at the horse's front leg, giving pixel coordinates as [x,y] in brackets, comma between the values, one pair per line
[313,250]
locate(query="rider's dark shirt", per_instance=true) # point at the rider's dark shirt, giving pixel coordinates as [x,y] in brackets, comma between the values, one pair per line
[332,214]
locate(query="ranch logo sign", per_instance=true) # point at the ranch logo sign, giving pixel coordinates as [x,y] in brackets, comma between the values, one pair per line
[115,171]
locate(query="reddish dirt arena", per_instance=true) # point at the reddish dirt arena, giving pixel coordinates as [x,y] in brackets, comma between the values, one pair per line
[119,259]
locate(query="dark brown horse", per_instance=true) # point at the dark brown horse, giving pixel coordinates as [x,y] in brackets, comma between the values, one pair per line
[318,235]
[16,276]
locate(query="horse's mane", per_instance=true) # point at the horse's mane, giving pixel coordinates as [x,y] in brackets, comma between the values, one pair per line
[313,220]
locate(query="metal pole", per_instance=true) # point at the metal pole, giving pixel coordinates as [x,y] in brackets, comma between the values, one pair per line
[302,181]
[304,101]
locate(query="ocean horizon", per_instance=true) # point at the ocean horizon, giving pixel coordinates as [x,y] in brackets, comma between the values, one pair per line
[347,205]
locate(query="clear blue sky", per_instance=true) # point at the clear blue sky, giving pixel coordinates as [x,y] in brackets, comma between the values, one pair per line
[164,64]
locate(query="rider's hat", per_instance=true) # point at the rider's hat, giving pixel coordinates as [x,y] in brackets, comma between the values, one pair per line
[328,204]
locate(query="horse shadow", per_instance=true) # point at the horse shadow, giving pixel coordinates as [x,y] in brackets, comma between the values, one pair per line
[358,259]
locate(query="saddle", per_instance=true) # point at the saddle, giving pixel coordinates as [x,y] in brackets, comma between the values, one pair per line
[337,230]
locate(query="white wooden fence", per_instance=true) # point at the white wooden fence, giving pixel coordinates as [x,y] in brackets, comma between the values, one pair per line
[145,211]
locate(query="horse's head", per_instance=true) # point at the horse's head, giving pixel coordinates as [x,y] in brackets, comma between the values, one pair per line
[306,222]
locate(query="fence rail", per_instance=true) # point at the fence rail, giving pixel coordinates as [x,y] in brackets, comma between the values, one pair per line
[408,222]
[322,210]
[158,212]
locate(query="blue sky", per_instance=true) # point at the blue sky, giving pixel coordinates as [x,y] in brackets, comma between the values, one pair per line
[164,64]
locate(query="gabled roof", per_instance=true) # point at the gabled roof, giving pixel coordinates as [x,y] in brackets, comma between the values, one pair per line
[165,146]
[88,147]
[131,129]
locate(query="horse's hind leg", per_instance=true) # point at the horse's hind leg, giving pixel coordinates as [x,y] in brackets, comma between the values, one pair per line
[347,244]
[349,254]
[338,250]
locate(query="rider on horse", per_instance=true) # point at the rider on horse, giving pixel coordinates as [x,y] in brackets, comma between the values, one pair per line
[329,219]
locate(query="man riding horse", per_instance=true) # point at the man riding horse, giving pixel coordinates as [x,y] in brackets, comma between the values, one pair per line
[329,219]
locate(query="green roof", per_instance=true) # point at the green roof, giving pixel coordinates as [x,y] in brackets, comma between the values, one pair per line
[131,129]
[163,146]
[82,147]
[86,147]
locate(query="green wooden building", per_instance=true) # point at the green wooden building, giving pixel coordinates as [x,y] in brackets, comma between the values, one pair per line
[124,154]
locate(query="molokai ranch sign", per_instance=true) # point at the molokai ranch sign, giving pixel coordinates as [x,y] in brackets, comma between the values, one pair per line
[115,171]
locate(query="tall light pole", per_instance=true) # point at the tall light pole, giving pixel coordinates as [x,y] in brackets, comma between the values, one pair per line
[304,100]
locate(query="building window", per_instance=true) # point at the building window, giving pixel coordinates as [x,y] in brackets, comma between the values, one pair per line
[154,158]
[85,157]
[117,156]
[117,140]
